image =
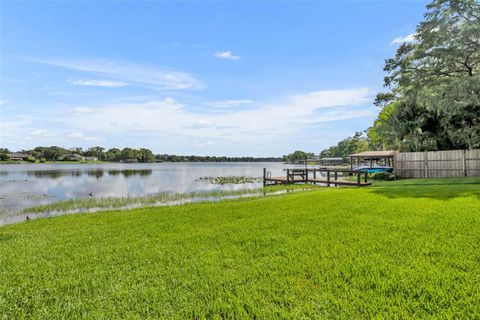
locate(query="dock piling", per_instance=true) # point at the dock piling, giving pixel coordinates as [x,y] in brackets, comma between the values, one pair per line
[264,176]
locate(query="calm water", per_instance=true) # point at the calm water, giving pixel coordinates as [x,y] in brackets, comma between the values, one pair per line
[26,185]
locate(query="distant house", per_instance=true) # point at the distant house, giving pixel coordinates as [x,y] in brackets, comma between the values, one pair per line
[72,157]
[17,156]
[330,161]
[90,158]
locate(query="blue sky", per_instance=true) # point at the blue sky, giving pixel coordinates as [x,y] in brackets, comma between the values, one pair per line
[217,78]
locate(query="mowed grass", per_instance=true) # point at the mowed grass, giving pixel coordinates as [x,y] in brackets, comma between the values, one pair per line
[406,249]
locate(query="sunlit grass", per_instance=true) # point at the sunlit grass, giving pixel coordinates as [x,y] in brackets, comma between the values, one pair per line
[398,250]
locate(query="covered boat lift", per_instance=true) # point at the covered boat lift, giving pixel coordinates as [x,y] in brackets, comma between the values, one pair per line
[371,156]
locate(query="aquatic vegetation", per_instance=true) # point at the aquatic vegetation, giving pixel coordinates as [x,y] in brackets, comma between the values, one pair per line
[110,203]
[230,180]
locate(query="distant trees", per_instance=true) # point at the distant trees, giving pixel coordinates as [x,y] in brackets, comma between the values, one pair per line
[52,153]
[297,156]
[358,143]
[95,152]
[3,153]
[128,153]
[177,158]
[145,155]
[55,153]
[113,154]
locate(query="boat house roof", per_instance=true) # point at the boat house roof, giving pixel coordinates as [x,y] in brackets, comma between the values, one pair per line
[373,154]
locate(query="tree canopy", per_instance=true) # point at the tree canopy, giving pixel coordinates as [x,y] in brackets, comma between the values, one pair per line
[358,143]
[297,156]
[433,102]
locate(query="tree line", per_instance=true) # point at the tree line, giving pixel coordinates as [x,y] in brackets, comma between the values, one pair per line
[432,101]
[297,156]
[55,153]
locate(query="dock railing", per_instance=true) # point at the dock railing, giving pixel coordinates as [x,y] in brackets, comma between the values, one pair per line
[327,176]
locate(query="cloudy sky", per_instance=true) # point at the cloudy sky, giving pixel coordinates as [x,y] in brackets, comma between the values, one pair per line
[205,78]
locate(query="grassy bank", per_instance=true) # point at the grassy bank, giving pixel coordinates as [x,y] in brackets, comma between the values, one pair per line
[407,249]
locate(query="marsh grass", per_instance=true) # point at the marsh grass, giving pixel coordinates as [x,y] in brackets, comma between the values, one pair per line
[112,203]
[230,179]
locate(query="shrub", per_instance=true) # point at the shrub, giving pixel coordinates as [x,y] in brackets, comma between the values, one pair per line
[386,176]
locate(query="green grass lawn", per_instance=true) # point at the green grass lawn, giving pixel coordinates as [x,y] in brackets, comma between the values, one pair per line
[406,249]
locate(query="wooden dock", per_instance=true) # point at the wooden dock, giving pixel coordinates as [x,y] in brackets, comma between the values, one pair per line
[332,177]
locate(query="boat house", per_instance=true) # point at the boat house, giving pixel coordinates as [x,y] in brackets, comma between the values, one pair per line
[330,161]
[370,158]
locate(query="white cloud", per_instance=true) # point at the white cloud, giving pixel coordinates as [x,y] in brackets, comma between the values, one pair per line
[203,124]
[400,40]
[81,136]
[206,143]
[168,118]
[83,110]
[169,126]
[226,55]
[42,133]
[230,103]
[99,83]
[128,72]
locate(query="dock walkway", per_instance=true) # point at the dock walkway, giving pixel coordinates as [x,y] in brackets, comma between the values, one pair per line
[332,177]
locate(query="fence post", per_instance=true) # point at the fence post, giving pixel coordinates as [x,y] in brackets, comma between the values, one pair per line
[306,175]
[358,177]
[426,163]
[464,163]
[264,176]
[288,176]
[328,178]
[395,161]
[366,176]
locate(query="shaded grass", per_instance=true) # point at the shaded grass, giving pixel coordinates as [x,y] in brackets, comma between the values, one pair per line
[443,188]
[429,182]
[353,253]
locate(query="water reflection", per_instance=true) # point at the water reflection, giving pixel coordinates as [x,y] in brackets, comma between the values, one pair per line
[26,185]
[97,173]
[128,173]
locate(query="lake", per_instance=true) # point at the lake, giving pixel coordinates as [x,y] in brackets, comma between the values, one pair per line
[27,185]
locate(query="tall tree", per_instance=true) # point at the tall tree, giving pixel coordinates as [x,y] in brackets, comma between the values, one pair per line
[435,83]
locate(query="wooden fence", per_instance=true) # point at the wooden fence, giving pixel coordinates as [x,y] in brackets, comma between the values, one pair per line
[437,164]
